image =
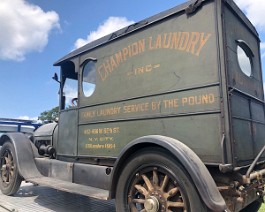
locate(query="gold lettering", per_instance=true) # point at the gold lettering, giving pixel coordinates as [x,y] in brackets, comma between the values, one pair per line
[198,100]
[175,40]
[141,45]
[135,49]
[113,63]
[151,47]
[191,100]
[102,73]
[107,66]
[142,107]
[108,111]
[191,42]
[110,146]
[89,114]
[125,53]
[88,146]
[171,103]
[106,130]
[195,36]
[211,98]
[156,105]
[203,41]
[204,99]
[167,40]
[139,70]
[184,41]
[118,58]
[158,42]
[130,51]
[148,68]
[184,101]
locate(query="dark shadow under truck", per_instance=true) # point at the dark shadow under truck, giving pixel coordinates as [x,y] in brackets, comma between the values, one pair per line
[168,115]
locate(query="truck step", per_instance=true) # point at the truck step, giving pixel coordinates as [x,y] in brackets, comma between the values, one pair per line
[71,187]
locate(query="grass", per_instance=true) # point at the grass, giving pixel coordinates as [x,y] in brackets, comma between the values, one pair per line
[262,208]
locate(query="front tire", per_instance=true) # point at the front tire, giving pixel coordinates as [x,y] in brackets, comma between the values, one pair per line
[10,179]
[154,181]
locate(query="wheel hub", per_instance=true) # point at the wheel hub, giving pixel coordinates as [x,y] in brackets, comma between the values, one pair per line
[153,191]
[151,204]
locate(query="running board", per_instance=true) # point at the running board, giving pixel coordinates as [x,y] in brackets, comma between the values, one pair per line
[71,187]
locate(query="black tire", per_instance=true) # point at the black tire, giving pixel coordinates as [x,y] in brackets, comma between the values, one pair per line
[253,207]
[10,179]
[154,179]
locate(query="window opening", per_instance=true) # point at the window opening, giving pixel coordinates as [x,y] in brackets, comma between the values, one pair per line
[89,78]
[70,92]
[244,57]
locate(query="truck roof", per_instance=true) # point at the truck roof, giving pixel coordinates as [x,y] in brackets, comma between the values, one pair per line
[189,7]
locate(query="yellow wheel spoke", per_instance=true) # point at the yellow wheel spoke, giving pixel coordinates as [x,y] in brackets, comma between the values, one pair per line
[164,183]
[142,190]
[133,208]
[172,192]
[148,183]
[175,204]
[141,201]
[155,178]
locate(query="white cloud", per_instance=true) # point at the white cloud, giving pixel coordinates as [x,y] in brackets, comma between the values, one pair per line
[28,118]
[112,24]
[24,28]
[254,10]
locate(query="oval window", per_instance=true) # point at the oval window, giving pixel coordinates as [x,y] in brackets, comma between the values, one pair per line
[244,57]
[89,78]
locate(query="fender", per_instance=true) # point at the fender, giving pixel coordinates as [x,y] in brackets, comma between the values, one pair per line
[24,154]
[192,163]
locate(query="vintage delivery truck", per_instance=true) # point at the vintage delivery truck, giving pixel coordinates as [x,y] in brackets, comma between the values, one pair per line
[166,114]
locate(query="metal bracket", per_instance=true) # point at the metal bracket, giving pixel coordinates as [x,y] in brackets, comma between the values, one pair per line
[250,169]
[193,7]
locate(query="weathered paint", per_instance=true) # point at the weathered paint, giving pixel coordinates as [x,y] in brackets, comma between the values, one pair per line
[149,81]
[172,77]
[246,97]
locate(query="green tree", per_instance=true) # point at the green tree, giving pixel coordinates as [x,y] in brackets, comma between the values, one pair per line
[49,115]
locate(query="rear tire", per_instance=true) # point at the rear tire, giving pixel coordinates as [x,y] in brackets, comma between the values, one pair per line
[10,179]
[155,181]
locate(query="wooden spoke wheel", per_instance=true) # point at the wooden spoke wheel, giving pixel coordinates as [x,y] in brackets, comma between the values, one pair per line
[153,189]
[153,181]
[10,178]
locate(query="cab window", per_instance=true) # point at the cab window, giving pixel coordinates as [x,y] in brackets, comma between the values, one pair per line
[69,86]
[70,92]
[89,78]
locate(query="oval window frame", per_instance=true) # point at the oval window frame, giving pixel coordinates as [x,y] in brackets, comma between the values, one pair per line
[248,54]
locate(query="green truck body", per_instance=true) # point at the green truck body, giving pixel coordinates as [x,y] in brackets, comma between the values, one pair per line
[186,82]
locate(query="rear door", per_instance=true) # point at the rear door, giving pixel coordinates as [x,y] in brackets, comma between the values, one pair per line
[245,87]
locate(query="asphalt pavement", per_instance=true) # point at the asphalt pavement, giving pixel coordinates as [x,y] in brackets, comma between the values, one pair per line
[32,198]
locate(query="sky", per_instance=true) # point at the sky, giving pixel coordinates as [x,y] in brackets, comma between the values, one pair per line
[35,33]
